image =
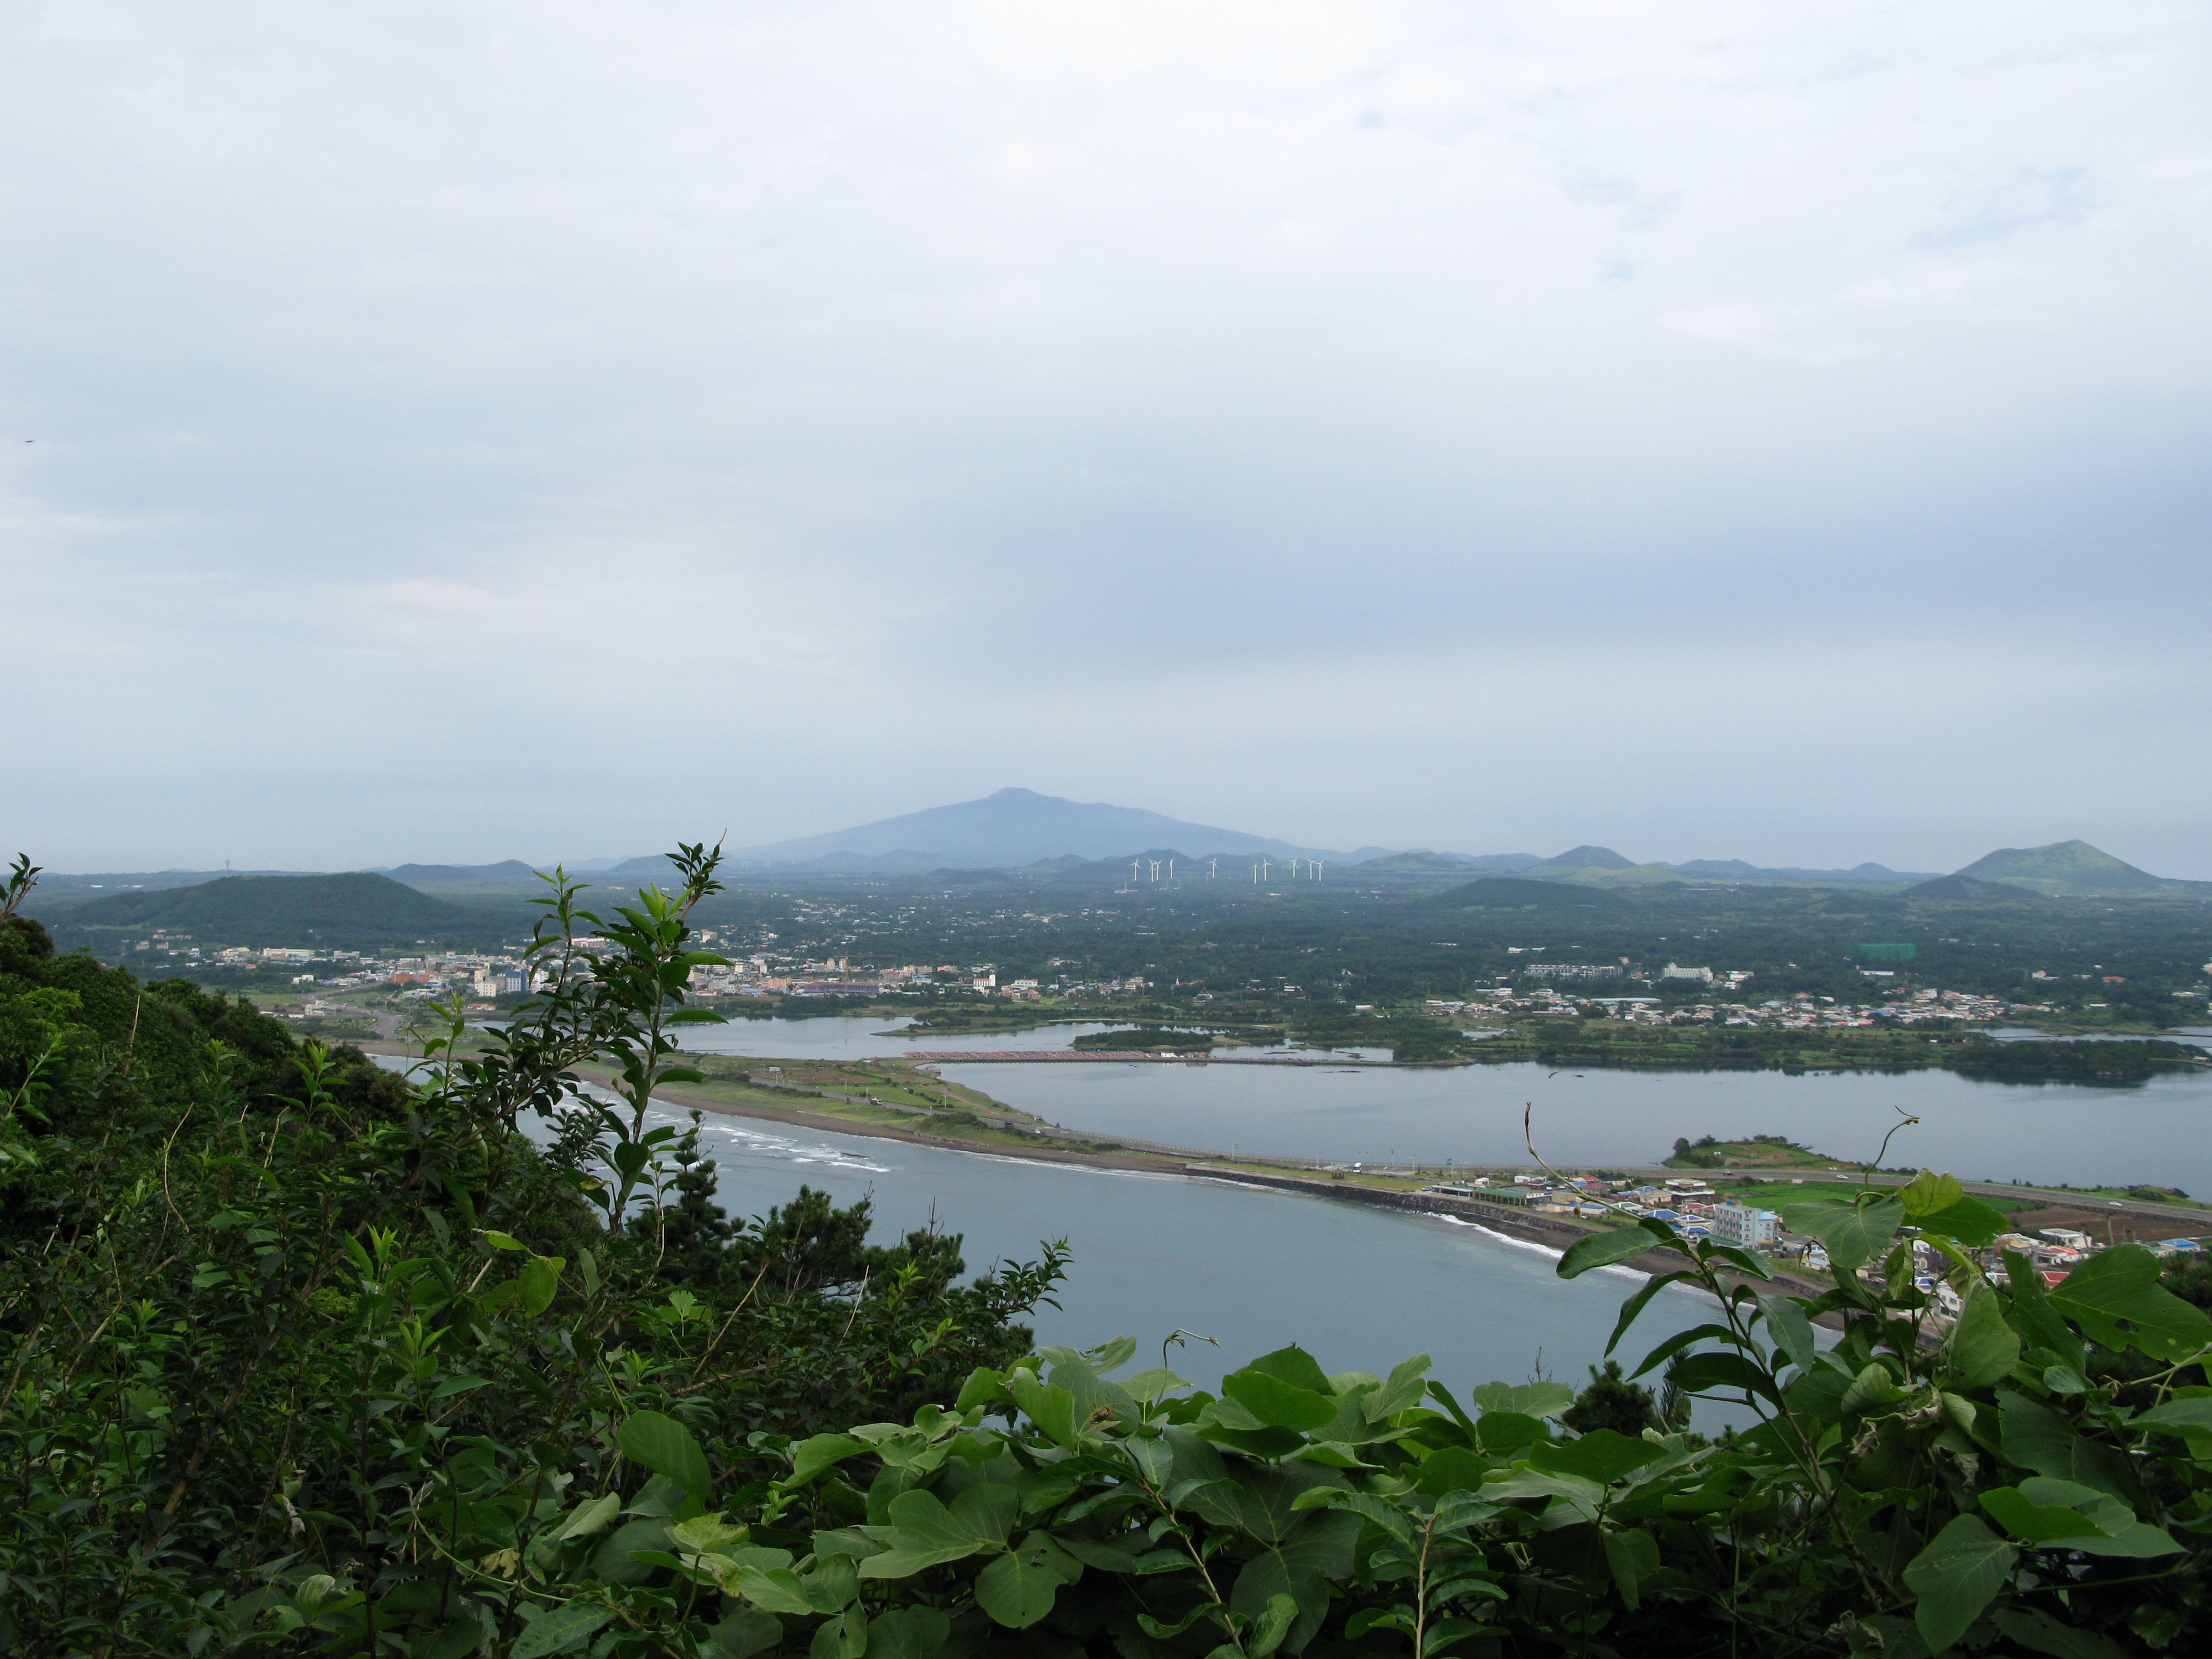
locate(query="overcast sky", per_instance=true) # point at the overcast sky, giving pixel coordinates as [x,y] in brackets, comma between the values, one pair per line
[474,429]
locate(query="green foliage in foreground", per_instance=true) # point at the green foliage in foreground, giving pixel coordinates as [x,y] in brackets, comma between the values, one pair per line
[284,1377]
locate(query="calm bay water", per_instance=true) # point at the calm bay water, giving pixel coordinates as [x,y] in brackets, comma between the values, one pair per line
[1359,1288]
[1362,1288]
[2159,1132]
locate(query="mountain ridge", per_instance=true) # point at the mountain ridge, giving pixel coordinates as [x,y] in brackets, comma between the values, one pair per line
[1015,827]
[283,910]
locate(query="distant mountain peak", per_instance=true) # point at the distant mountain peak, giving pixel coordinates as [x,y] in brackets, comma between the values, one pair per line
[2064,869]
[1008,829]
[1587,858]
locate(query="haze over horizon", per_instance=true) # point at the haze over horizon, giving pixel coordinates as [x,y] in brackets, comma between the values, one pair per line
[1728,433]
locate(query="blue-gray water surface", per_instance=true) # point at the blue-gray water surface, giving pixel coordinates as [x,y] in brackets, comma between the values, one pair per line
[1359,1288]
[2159,1132]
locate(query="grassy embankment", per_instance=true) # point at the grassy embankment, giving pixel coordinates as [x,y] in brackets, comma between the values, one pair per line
[887,1094]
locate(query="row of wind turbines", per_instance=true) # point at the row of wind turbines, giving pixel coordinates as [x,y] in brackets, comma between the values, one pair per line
[1263,870]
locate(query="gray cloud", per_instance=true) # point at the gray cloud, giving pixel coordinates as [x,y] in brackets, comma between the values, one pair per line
[1730,431]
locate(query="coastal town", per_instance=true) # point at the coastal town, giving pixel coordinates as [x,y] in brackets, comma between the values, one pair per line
[1540,989]
[1693,1209]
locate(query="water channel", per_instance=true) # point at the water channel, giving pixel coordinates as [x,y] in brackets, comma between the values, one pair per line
[2158,1131]
[1362,1288]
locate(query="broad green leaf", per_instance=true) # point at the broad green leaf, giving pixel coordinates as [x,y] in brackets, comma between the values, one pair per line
[1789,1329]
[1981,1346]
[1969,1221]
[1697,1372]
[1928,1192]
[1462,1509]
[1273,1624]
[1603,1456]
[1502,1432]
[612,1563]
[708,1532]
[846,1541]
[2104,1525]
[2116,1299]
[2178,1417]
[832,1584]
[590,1518]
[1854,1233]
[1529,1399]
[1871,1390]
[1111,1357]
[908,1633]
[1751,1267]
[1149,1386]
[558,1630]
[2039,1323]
[1093,1393]
[926,1532]
[1445,1632]
[810,1456]
[501,1241]
[1018,1588]
[1955,1577]
[1585,1498]
[537,1283]
[2039,1633]
[1120,1557]
[1380,1512]
[746,1632]
[654,1441]
[1295,1366]
[458,1640]
[2048,1521]
[1598,1249]
[453,1385]
[773,1589]
[2036,1438]
[1279,1404]
[1633,1556]
[982,1386]
[1052,1410]
[1299,1565]
[1401,1391]
[845,1638]
[1453,1469]
[1682,1340]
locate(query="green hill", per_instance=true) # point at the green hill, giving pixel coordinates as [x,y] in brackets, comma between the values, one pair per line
[1570,865]
[2066,869]
[1513,893]
[1964,886]
[303,911]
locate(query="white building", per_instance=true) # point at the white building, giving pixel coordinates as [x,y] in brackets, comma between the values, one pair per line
[1734,1223]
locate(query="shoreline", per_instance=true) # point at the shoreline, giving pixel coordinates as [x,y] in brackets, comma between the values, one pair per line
[1216,1166]
[831,1123]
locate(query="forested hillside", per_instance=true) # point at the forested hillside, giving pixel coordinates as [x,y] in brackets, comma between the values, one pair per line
[283,910]
[304,1358]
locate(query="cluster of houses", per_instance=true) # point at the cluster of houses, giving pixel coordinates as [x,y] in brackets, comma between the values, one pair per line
[1802,1011]
[1689,1207]
[762,975]
[1694,1210]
